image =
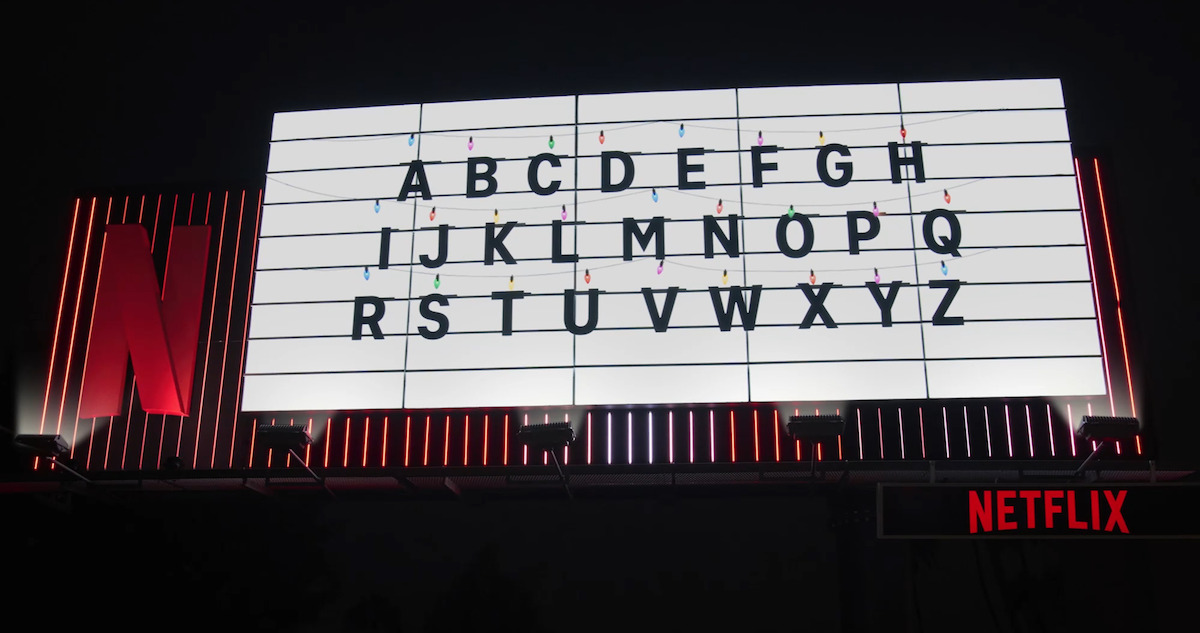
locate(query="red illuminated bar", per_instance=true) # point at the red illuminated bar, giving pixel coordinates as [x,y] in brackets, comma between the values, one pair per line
[253,435]
[879,421]
[589,439]
[328,433]
[211,317]
[346,448]
[712,436]
[1120,312]
[1087,234]
[407,436]
[505,459]
[307,448]
[732,439]
[366,435]
[270,451]
[237,247]
[858,417]
[246,325]
[446,446]
[756,435]
[62,294]
[383,461]
[466,437]
[425,457]
[87,242]
[775,424]
[485,437]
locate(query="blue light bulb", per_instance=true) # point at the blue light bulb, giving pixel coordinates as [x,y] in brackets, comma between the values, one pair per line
[366,273]
[412,138]
[376,206]
[680,130]
[654,195]
[945,271]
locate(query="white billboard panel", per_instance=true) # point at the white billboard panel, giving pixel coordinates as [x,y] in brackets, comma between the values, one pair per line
[890,241]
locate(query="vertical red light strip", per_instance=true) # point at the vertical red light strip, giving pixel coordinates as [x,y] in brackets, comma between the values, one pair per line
[589,439]
[485,437]
[87,346]
[87,242]
[567,448]
[163,431]
[756,435]
[328,433]
[1112,266]
[383,461]
[504,459]
[839,413]
[237,401]
[253,436]
[307,449]
[670,437]
[346,446]
[797,412]
[407,437]
[62,294]
[775,424]
[946,431]
[366,438]
[466,437]
[732,439]
[425,455]
[129,411]
[446,447]
[146,419]
[237,247]
[270,451]
[1087,234]
[1050,430]
[858,417]
[289,455]
[525,449]
[211,317]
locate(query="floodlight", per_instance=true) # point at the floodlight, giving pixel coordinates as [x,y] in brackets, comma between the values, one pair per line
[48,446]
[1102,428]
[546,437]
[284,438]
[815,427]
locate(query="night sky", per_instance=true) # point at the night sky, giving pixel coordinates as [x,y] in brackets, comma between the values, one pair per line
[179,96]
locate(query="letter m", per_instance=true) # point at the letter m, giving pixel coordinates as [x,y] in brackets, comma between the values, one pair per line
[132,319]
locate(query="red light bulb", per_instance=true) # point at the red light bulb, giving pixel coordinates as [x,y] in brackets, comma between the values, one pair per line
[587,276]
[812,277]
[432,214]
[903,132]
[946,196]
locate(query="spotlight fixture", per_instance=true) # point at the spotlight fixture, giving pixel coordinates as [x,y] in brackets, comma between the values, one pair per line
[50,447]
[547,437]
[290,438]
[1103,429]
[815,427]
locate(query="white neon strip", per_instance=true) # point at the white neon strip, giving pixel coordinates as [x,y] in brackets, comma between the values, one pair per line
[1029,429]
[671,437]
[546,454]
[567,448]
[589,438]
[712,437]
[629,435]
[610,437]
[879,417]
[524,449]
[1008,428]
[1071,428]
[1050,429]
[691,438]
[650,434]
[987,428]
[946,432]
[900,412]
[921,428]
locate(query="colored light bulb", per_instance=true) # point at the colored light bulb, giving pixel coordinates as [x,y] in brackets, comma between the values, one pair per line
[412,138]
[760,137]
[821,138]
[791,210]
[724,277]
[496,215]
[587,276]
[432,214]
[876,275]
[875,208]
[551,143]
[660,265]
[946,196]
[511,282]
[366,273]
[903,132]
[470,142]
[376,206]
[437,281]
[812,276]
[654,195]
[945,271]
[680,130]
[601,137]
[720,205]
[564,212]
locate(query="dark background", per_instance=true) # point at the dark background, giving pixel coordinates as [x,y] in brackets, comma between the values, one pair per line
[178,96]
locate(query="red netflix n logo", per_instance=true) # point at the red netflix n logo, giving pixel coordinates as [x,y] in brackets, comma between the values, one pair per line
[132,319]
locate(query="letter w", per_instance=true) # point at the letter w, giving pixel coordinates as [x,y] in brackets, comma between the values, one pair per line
[131,319]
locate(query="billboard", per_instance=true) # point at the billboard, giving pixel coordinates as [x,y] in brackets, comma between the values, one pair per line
[821,243]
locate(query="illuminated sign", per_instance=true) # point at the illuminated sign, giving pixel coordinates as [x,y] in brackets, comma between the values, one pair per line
[824,243]
[1035,510]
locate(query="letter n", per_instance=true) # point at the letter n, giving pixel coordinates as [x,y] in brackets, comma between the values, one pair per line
[132,319]
[980,513]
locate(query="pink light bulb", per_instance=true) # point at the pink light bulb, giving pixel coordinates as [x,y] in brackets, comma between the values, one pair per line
[876,275]
[470,142]
[660,266]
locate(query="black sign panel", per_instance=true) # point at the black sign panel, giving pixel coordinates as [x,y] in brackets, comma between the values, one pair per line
[1038,510]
